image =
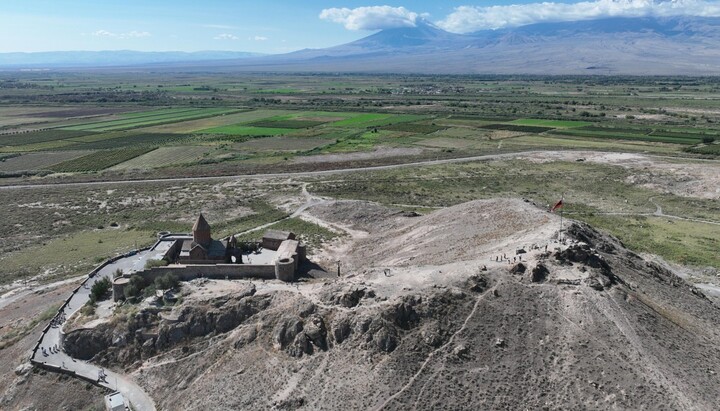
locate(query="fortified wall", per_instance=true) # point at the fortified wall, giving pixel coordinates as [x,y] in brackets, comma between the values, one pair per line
[277,256]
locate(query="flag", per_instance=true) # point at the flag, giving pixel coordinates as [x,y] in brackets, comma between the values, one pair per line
[557,205]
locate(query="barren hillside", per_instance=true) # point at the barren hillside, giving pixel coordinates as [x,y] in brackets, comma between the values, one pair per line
[429,315]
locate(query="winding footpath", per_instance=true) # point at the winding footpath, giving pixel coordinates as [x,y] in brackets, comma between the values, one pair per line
[657,213]
[49,351]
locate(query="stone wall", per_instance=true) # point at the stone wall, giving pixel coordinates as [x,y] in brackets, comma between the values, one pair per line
[213,271]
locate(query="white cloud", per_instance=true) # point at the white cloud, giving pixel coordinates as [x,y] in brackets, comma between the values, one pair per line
[259,38]
[130,34]
[103,33]
[226,36]
[371,18]
[465,19]
[219,26]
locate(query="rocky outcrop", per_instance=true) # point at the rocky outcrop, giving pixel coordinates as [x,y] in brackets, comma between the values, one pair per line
[347,297]
[518,268]
[85,344]
[200,321]
[539,273]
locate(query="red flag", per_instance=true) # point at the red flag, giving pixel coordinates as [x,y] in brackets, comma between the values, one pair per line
[557,205]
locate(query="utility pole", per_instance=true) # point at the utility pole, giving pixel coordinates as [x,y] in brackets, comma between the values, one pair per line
[338,268]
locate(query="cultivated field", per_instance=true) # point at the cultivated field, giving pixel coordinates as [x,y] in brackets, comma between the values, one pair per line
[159,126]
[165,156]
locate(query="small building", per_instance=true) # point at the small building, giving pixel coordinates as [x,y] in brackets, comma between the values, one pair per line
[273,238]
[116,402]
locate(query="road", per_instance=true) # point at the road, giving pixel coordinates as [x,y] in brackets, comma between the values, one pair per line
[52,339]
[487,157]
[272,175]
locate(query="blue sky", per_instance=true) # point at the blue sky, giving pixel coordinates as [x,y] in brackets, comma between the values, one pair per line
[277,26]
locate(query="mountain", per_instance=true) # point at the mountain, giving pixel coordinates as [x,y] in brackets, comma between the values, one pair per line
[55,59]
[632,46]
[617,46]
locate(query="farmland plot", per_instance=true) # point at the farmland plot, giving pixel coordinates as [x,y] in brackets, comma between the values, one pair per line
[99,160]
[212,122]
[282,144]
[165,156]
[138,120]
[38,161]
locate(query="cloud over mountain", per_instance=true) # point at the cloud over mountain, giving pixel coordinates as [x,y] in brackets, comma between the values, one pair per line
[465,19]
[371,18]
[130,34]
[226,36]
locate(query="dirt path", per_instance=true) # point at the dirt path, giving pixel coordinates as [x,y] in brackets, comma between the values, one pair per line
[658,213]
[434,353]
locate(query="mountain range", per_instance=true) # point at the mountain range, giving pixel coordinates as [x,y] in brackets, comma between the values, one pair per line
[56,59]
[633,46]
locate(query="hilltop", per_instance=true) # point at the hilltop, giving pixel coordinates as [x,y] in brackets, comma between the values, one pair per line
[464,307]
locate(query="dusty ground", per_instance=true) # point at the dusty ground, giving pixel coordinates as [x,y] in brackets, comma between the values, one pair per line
[383,152]
[686,178]
[27,389]
[424,316]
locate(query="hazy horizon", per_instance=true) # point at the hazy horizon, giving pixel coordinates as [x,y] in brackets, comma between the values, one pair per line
[278,27]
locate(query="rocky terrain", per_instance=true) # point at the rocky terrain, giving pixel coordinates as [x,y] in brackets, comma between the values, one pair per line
[477,306]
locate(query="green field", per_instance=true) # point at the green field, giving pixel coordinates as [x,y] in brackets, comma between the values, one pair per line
[286,123]
[241,130]
[375,120]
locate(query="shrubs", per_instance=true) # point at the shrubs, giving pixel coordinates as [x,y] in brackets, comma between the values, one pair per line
[166,282]
[135,287]
[100,290]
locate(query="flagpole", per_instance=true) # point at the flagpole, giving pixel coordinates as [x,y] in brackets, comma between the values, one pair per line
[562,201]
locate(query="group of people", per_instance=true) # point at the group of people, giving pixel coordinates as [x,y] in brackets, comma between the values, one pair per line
[52,350]
[500,258]
[519,253]
[58,320]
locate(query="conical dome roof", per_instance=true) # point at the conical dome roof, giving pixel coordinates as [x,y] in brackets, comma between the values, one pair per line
[201,231]
[201,224]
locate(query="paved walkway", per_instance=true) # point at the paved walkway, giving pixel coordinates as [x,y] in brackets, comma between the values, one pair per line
[51,340]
